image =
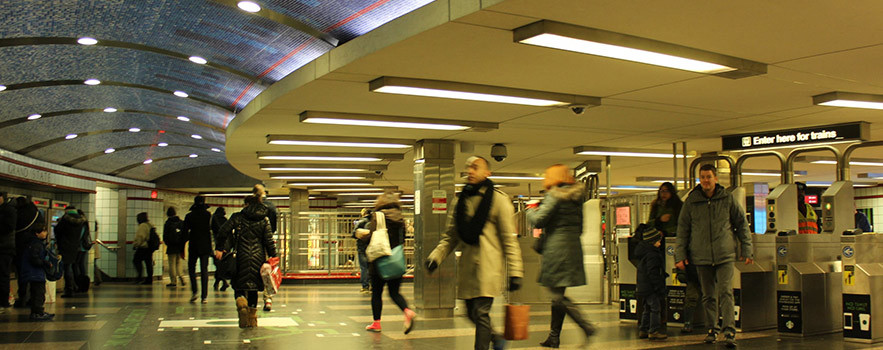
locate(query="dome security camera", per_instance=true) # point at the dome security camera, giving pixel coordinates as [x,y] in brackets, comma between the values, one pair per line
[578,109]
[498,152]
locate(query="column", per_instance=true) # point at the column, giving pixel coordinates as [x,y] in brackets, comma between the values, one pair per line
[433,193]
[298,201]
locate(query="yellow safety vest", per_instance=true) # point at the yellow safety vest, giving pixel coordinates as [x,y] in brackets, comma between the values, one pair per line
[807,224]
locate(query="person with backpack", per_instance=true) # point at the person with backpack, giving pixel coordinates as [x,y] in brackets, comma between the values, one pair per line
[34,263]
[79,264]
[174,240]
[143,249]
[67,233]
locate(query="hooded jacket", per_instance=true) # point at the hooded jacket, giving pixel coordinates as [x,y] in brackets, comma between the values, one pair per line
[250,233]
[33,260]
[173,235]
[560,215]
[708,228]
[67,233]
[219,217]
[197,230]
[651,271]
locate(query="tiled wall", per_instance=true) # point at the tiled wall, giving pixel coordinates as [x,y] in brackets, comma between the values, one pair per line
[106,213]
[138,201]
[875,202]
[86,203]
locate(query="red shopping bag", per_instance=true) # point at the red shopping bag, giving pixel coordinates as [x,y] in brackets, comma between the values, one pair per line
[271,275]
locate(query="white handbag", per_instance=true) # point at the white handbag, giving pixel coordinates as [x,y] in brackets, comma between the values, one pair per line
[379,245]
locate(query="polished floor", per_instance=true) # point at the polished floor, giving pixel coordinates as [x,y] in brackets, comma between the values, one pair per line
[117,315]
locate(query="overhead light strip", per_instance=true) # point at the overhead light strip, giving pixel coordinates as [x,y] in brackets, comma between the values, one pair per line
[477,92]
[624,152]
[849,99]
[390,121]
[334,141]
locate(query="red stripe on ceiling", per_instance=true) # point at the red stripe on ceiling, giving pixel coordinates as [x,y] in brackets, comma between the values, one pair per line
[304,45]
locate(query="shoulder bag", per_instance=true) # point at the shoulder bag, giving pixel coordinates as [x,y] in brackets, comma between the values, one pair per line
[393,266]
[379,245]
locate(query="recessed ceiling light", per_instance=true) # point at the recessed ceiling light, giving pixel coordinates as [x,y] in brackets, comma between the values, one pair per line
[183,118]
[148,161]
[109,150]
[194,155]
[216,150]
[87,41]
[180,93]
[70,136]
[197,60]
[249,6]
[110,109]
[134,129]
[195,136]
[34,117]
[162,144]
[92,82]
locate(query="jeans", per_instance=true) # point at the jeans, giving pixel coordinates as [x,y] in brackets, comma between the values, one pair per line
[176,266]
[38,296]
[717,289]
[650,319]
[479,310]
[80,265]
[364,275]
[377,295]
[203,268]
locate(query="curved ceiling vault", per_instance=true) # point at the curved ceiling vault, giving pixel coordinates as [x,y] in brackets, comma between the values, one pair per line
[161,79]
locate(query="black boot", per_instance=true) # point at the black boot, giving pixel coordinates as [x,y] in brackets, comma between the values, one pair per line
[558,314]
[577,316]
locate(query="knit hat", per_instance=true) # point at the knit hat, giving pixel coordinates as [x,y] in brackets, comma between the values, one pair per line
[651,235]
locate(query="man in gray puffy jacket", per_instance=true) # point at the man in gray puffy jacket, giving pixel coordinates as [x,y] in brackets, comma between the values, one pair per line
[708,224]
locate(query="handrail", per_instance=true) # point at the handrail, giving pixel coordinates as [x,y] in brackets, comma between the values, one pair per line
[844,168]
[789,163]
[695,163]
[739,162]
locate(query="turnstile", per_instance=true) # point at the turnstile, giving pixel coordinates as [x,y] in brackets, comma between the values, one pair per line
[808,286]
[754,287]
[676,292]
[627,282]
[862,280]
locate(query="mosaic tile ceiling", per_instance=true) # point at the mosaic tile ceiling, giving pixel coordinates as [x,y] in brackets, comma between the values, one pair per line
[149,55]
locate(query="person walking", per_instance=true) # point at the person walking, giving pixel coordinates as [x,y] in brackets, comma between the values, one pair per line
[67,233]
[197,231]
[362,239]
[560,215]
[389,204]
[218,220]
[651,284]
[249,233]
[8,219]
[482,225]
[174,240]
[710,223]
[260,191]
[143,253]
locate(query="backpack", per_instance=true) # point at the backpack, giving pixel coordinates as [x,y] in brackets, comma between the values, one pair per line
[153,240]
[54,266]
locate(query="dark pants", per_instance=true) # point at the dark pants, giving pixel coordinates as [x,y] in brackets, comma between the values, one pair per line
[479,310]
[203,271]
[38,296]
[650,319]
[80,265]
[5,272]
[70,280]
[250,295]
[377,294]
[144,255]
[364,275]
[691,301]
[217,280]
[717,296]
[22,298]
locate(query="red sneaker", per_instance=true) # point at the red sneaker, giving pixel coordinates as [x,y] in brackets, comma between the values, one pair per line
[374,327]
[409,320]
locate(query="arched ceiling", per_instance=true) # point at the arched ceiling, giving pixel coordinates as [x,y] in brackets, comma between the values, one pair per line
[142,56]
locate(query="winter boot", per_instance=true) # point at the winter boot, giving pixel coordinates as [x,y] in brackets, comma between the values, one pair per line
[252,317]
[242,308]
[577,316]
[558,314]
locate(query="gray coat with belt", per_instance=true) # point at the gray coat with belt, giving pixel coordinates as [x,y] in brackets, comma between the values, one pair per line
[561,218]
[709,227]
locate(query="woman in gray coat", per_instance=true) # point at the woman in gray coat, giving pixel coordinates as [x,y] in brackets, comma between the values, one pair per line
[560,216]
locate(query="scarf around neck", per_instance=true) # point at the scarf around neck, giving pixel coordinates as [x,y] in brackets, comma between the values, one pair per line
[470,230]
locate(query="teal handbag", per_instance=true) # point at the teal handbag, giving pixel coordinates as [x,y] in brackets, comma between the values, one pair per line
[392,266]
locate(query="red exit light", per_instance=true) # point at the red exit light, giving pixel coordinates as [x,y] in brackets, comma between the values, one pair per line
[811,199]
[153,194]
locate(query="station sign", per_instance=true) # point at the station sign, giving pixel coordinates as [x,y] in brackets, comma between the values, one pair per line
[824,134]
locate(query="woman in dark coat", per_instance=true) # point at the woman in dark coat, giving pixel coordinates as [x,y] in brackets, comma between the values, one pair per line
[249,234]
[665,209]
[560,215]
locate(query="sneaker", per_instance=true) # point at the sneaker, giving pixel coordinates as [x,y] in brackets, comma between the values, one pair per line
[657,336]
[409,320]
[711,337]
[374,327]
[42,317]
[730,340]
[194,297]
[268,305]
[204,301]
[365,291]
[643,335]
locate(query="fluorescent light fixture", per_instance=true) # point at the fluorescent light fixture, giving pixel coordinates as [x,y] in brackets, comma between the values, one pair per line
[216,150]
[476,92]
[148,161]
[134,129]
[832,161]
[195,136]
[2,87]
[632,188]
[181,94]
[624,152]
[162,144]
[875,176]
[232,194]
[373,200]
[183,118]
[849,99]
[390,121]
[87,41]
[197,60]
[277,198]
[828,184]
[70,136]
[495,185]
[348,189]
[330,156]
[334,141]
[360,194]
[109,151]
[298,177]
[194,155]
[92,82]
[34,117]
[313,184]
[110,110]
[322,168]
[511,176]
[599,42]
[249,6]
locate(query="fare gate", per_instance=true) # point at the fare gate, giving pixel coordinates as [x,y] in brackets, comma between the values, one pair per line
[862,281]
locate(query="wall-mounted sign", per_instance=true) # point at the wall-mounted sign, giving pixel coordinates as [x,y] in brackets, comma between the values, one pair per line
[439,202]
[856,131]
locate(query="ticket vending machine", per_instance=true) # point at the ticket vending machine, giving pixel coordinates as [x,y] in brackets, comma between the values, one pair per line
[56,211]
[862,285]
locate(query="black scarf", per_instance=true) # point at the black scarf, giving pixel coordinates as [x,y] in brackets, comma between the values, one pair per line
[470,230]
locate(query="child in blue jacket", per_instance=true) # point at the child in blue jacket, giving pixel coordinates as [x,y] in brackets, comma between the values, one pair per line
[651,284]
[33,273]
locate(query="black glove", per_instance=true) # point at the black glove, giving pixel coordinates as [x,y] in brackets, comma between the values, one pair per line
[514,283]
[431,265]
